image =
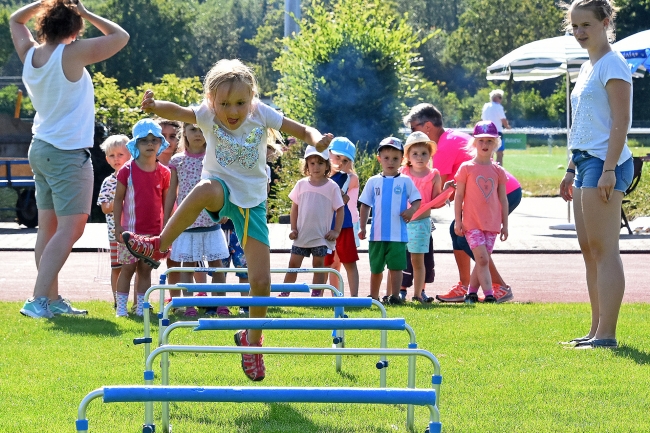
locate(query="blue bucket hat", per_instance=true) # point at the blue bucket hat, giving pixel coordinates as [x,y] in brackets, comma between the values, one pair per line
[141,129]
[344,147]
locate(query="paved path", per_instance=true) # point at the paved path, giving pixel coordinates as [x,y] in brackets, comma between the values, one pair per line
[541,264]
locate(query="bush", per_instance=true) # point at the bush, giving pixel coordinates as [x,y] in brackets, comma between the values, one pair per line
[8,97]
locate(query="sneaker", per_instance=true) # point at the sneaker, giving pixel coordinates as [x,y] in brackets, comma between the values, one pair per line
[502,293]
[490,299]
[252,364]
[243,311]
[471,298]
[37,308]
[392,300]
[317,293]
[211,311]
[402,294]
[456,294]
[420,300]
[284,294]
[223,311]
[191,312]
[425,298]
[62,306]
[146,248]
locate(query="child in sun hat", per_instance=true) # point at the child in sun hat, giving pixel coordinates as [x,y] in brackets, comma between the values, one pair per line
[142,185]
[481,207]
[342,153]
[418,151]
[314,199]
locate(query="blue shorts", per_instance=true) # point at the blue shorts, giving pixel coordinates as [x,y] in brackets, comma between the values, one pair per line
[419,233]
[589,168]
[502,146]
[248,222]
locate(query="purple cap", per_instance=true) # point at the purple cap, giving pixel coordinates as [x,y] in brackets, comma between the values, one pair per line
[485,128]
[392,142]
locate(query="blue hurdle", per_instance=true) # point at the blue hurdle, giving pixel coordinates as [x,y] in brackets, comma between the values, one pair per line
[112,394]
[305,324]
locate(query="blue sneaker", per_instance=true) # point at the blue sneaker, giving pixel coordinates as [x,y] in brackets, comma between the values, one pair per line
[63,306]
[37,308]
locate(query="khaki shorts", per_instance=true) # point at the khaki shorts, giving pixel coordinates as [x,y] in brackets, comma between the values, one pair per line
[63,178]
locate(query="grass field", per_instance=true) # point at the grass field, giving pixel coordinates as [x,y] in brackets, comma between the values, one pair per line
[502,368]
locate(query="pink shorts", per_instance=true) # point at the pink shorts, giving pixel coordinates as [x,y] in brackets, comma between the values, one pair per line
[476,238]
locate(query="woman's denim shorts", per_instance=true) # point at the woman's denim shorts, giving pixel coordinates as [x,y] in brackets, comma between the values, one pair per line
[589,168]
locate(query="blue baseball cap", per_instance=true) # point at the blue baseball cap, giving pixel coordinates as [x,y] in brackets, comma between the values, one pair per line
[141,129]
[344,147]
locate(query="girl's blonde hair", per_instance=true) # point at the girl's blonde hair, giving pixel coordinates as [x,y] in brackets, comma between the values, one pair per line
[471,147]
[305,169]
[114,141]
[428,144]
[182,140]
[228,71]
[601,8]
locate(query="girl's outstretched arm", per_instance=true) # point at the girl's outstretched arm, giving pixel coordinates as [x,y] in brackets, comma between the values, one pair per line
[166,109]
[306,133]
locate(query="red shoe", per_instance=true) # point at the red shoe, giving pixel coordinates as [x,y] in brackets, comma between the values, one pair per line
[456,294]
[252,364]
[146,248]
[502,294]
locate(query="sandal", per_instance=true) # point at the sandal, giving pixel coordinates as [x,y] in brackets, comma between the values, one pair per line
[597,343]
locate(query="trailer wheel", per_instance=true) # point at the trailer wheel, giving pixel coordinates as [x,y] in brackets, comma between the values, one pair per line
[26,211]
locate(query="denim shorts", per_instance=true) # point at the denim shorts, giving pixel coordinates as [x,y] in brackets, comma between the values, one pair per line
[319,251]
[589,168]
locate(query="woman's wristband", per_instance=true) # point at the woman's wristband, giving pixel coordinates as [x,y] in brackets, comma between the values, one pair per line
[605,171]
[570,170]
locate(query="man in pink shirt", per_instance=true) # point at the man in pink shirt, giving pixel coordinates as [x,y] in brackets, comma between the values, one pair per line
[451,153]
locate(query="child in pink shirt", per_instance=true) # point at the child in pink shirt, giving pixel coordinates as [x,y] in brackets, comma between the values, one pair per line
[481,207]
[314,198]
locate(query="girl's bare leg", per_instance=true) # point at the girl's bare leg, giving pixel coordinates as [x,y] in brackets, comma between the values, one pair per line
[259,277]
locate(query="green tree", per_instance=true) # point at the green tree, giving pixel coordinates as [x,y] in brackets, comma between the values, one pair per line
[489,29]
[160,39]
[6,45]
[119,108]
[633,17]
[351,70]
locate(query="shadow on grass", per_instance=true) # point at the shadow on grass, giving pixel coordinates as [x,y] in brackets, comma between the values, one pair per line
[85,325]
[638,356]
[282,417]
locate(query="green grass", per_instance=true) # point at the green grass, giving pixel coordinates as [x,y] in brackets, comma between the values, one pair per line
[502,368]
[538,169]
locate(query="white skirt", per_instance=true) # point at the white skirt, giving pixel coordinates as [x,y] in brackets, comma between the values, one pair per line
[197,246]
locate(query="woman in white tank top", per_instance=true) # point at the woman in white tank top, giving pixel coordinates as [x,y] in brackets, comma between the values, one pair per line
[62,93]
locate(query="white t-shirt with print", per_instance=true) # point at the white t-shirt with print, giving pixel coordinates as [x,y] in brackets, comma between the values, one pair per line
[239,157]
[591,112]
